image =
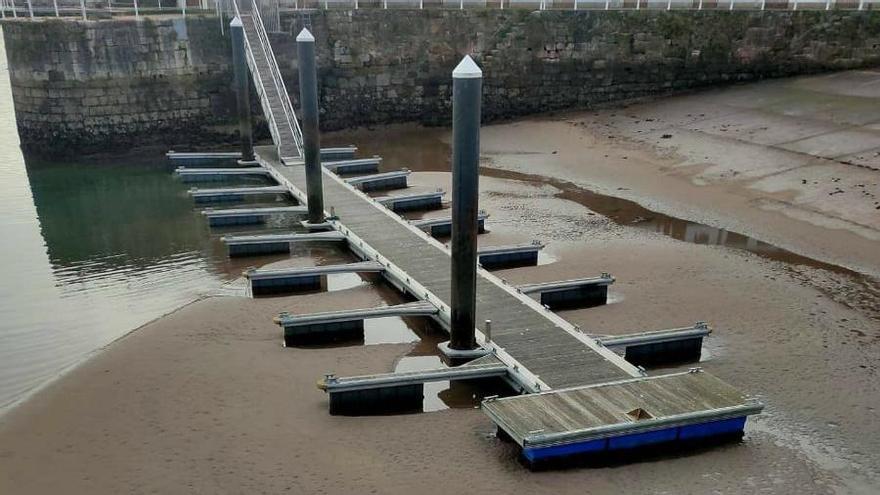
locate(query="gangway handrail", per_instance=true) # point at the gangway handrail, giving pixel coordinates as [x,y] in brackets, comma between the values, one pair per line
[292,121]
[277,81]
[258,83]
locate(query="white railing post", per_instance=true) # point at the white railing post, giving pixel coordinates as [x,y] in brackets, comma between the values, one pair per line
[55,6]
[30,9]
[638,4]
[700,7]
[763,4]
[385,4]
[461,5]
[82,5]
[607,4]
[861,4]
[669,5]
[137,13]
[160,4]
[795,5]
[183,6]
[731,4]
[356,4]
[2,9]
[575,4]
[827,4]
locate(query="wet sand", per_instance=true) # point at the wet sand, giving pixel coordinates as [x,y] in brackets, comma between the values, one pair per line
[207,400]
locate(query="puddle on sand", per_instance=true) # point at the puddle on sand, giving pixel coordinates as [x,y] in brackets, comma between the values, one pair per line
[446,394]
[396,143]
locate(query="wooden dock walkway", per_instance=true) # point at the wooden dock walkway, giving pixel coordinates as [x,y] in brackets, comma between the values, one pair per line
[548,352]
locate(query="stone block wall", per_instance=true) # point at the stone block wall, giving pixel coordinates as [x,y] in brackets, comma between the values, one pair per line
[101,85]
[389,66]
[109,85]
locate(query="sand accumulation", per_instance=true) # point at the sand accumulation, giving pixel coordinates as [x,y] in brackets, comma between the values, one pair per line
[207,400]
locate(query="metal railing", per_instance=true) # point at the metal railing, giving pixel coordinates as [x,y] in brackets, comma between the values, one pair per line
[293,5]
[100,8]
[286,106]
[277,81]
[269,10]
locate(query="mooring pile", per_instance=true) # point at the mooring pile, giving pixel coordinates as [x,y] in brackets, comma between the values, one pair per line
[573,395]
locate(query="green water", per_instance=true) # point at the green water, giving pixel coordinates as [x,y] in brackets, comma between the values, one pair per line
[89,251]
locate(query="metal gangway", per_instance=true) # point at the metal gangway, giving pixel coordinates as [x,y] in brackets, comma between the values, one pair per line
[274,99]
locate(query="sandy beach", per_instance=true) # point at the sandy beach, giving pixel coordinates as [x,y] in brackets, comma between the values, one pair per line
[207,400]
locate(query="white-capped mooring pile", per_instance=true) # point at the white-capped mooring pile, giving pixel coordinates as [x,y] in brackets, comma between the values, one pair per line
[611,407]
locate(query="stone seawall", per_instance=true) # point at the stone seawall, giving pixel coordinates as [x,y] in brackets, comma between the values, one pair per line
[108,84]
[379,66]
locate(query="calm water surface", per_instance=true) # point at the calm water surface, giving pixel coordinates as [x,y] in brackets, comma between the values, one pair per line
[88,252]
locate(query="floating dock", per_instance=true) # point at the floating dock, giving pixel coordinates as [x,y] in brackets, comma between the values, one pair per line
[660,347]
[340,325]
[497,257]
[579,292]
[203,158]
[218,174]
[442,227]
[585,398]
[208,157]
[381,182]
[264,281]
[250,245]
[596,421]
[231,194]
[386,393]
[249,216]
[354,166]
[413,202]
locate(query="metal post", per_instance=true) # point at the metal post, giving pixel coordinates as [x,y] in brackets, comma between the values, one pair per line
[461,5]
[607,4]
[136,12]
[827,4]
[638,4]
[160,4]
[575,4]
[2,9]
[183,3]
[487,332]
[467,82]
[731,4]
[242,98]
[82,5]
[861,4]
[308,97]
[14,10]
[701,5]
[55,6]
[795,5]
[30,9]
[669,5]
[763,4]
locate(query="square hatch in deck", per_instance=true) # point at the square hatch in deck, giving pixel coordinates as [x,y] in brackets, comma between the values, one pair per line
[622,414]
